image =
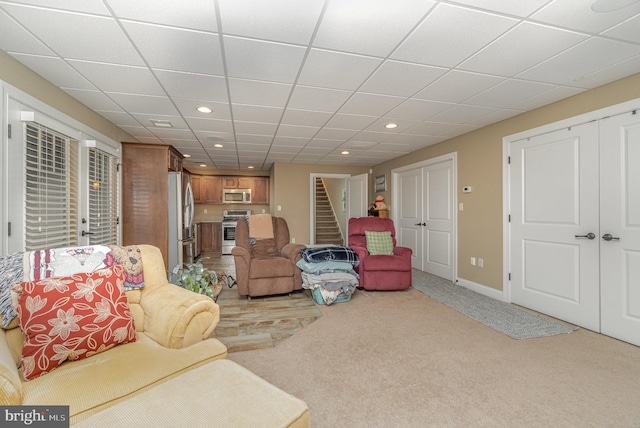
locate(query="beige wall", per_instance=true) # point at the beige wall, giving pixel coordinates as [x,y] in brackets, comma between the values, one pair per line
[16,74]
[480,166]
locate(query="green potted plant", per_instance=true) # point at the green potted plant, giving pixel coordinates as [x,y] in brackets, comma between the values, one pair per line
[195,277]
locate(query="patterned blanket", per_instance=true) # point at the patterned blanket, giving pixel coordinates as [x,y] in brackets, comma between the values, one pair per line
[330,253]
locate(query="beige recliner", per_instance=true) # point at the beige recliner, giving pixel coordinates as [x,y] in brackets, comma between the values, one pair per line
[266,266]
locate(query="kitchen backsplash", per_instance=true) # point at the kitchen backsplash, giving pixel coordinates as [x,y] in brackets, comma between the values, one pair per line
[214,211]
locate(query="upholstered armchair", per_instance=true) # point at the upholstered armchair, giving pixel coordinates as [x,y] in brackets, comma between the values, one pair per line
[266,266]
[383,264]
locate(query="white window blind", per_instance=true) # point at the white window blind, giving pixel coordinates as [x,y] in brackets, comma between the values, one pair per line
[103,197]
[51,214]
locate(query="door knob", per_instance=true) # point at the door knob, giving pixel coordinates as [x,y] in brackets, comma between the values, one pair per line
[86,233]
[421,224]
[589,235]
[608,237]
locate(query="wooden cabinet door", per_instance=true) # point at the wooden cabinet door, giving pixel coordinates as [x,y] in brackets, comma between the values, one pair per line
[212,189]
[237,182]
[174,160]
[245,182]
[260,190]
[217,237]
[196,187]
[207,237]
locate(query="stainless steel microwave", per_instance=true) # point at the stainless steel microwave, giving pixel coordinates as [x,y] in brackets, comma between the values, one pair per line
[236,196]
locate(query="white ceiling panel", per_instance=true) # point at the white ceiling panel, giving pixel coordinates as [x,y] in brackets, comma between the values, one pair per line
[401,78]
[434,42]
[177,49]
[337,70]
[303,80]
[372,28]
[522,47]
[200,15]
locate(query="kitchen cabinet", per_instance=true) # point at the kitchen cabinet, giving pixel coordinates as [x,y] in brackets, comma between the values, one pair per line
[211,237]
[260,190]
[211,188]
[196,188]
[237,182]
[145,194]
[174,160]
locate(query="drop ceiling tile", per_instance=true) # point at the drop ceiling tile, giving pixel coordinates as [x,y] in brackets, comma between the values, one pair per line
[297,131]
[370,104]
[16,39]
[261,114]
[280,141]
[259,60]
[119,118]
[372,28]
[146,120]
[188,108]
[305,117]
[211,125]
[508,92]
[95,100]
[581,60]
[139,132]
[336,70]
[406,139]
[259,93]
[509,7]
[371,136]
[119,78]
[317,150]
[496,116]
[609,74]
[171,133]
[401,78]
[57,71]
[102,38]
[350,121]
[434,43]
[556,94]
[256,128]
[403,124]
[199,15]
[335,134]
[428,129]
[290,21]
[577,15]
[193,86]
[522,47]
[627,30]
[284,149]
[351,144]
[264,140]
[249,148]
[144,104]
[457,86]
[177,49]
[461,114]
[318,99]
[221,132]
[415,109]
[95,7]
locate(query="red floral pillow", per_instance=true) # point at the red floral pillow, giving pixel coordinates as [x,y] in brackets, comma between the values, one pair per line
[70,318]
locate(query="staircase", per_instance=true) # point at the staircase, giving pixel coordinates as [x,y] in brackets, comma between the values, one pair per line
[327,230]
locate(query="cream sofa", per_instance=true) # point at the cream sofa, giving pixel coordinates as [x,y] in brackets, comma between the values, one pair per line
[172,325]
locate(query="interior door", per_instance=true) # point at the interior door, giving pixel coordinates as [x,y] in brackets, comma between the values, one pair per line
[554,211]
[620,218]
[409,216]
[437,219]
[357,193]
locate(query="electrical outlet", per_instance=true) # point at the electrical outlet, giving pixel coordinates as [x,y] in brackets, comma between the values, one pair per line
[205,211]
[473,261]
[263,211]
[480,263]
[293,240]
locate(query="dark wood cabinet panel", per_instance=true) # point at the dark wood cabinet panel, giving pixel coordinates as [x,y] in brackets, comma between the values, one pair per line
[196,186]
[207,189]
[211,237]
[174,160]
[260,190]
[211,189]
[237,182]
[217,237]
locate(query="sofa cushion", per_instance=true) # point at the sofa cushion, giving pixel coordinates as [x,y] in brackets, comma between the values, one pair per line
[70,318]
[379,243]
[387,263]
[265,248]
[271,268]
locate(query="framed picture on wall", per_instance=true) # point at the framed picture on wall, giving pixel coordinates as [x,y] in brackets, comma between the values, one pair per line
[381,183]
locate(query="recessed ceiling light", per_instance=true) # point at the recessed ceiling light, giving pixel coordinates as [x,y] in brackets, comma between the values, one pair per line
[204,109]
[604,6]
[161,123]
[345,152]
[391,125]
[186,155]
[203,165]
[250,167]
[218,145]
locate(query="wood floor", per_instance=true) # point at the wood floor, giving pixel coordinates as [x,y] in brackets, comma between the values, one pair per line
[262,322]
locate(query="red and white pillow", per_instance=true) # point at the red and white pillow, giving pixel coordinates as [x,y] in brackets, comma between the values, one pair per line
[74,317]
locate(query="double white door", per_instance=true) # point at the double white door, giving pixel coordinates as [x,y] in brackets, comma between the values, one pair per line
[575,225]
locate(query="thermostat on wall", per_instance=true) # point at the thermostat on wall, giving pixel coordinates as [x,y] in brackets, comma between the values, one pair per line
[466,189]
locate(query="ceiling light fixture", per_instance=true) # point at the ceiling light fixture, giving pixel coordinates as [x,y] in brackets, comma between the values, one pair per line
[345,152]
[204,109]
[250,167]
[203,165]
[391,125]
[604,6]
[218,145]
[186,155]
[161,123]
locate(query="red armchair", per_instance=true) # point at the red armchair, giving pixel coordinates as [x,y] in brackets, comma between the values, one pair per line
[379,272]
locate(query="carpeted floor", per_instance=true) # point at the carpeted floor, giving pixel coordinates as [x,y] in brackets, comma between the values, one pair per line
[402,359]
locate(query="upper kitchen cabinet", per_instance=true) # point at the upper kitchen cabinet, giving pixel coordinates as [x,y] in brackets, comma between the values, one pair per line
[174,159]
[260,191]
[211,189]
[237,182]
[196,188]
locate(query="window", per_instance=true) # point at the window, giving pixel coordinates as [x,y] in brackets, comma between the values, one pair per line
[51,214]
[103,197]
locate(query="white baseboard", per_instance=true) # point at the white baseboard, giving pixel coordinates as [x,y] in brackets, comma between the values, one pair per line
[482,289]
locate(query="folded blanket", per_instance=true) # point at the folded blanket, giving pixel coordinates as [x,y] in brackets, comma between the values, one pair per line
[330,281]
[330,253]
[260,226]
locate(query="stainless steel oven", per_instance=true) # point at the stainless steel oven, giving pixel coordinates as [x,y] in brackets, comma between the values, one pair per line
[229,221]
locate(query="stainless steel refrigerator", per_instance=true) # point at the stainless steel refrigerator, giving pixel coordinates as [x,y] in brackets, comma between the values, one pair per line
[181,207]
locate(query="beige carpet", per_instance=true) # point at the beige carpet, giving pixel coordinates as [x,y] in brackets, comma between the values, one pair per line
[401,359]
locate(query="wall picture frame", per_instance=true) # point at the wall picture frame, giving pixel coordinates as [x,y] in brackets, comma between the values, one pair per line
[381,183]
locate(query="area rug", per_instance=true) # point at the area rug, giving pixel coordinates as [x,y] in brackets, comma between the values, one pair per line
[500,316]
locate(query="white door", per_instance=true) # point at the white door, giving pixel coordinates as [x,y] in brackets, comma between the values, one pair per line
[620,218]
[357,193]
[409,214]
[437,219]
[554,207]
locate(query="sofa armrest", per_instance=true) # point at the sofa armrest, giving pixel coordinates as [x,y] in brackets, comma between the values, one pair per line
[176,318]
[361,252]
[403,251]
[292,252]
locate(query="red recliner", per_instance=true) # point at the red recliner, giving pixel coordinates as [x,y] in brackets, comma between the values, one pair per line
[379,272]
